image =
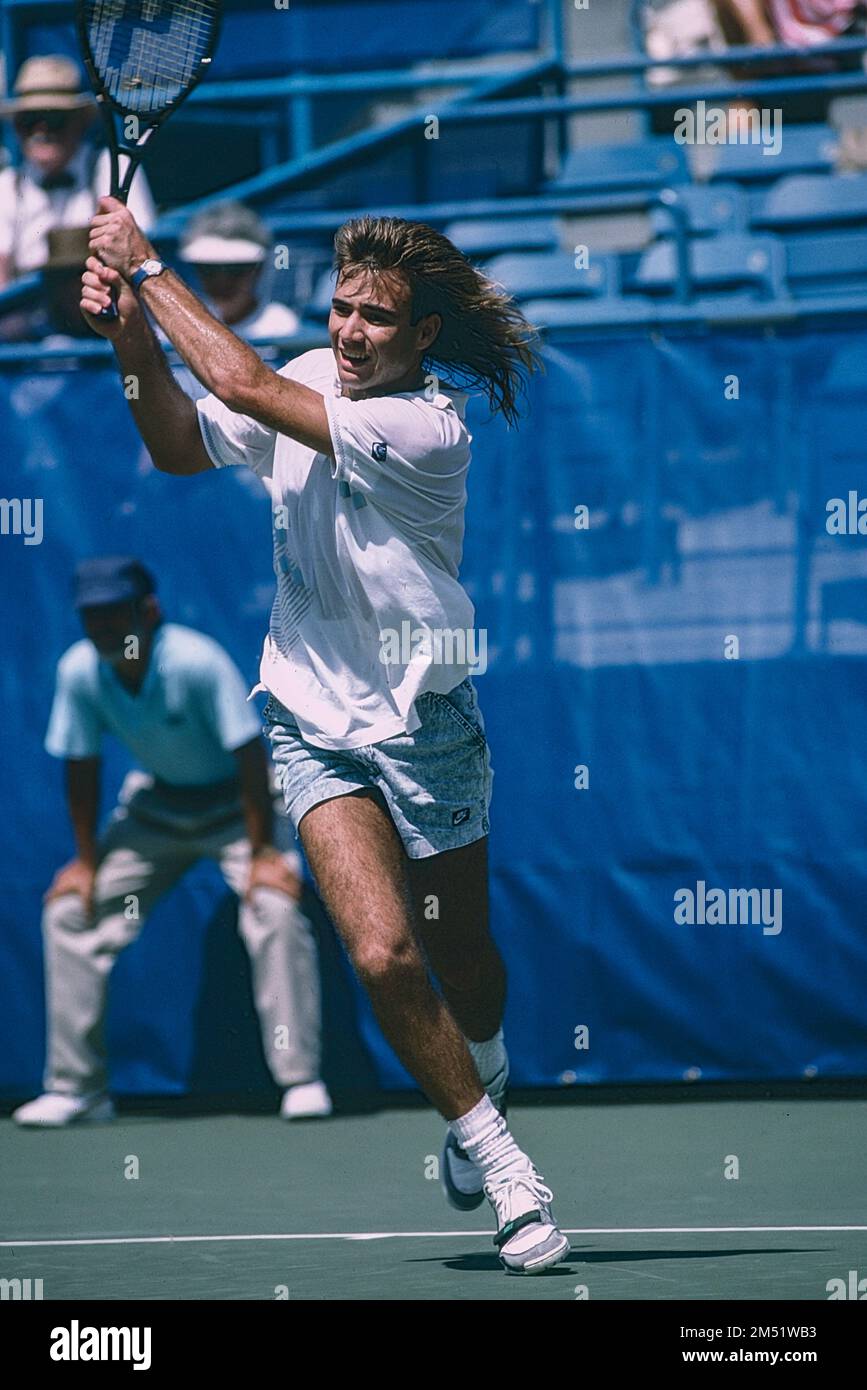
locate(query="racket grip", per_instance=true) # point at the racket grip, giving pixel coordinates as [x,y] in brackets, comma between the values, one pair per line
[109,313]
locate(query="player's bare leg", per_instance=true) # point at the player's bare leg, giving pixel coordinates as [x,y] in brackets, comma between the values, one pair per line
[450,894]
[362,875]
[360,869]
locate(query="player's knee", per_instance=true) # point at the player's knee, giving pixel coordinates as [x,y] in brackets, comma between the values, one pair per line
[381,964]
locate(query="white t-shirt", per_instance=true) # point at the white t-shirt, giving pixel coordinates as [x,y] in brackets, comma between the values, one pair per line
[367,549]
[28,212]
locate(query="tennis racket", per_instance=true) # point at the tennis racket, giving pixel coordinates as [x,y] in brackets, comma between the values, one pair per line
[143,58]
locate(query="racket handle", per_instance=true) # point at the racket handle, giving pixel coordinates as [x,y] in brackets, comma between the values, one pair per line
[109,313]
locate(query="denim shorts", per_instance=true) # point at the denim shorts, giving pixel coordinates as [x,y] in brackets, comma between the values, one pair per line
[436,782]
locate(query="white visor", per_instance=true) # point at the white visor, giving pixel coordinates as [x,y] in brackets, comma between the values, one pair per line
[222,250]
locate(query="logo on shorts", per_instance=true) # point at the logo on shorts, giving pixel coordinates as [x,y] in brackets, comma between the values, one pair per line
[379,451]
[459,817]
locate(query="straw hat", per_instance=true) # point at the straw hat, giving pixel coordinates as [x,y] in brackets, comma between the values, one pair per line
[51,83]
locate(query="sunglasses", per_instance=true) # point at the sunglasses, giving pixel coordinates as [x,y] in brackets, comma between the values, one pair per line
[28,121]
[232,268]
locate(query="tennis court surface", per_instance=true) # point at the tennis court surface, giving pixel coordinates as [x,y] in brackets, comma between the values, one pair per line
[244,1206]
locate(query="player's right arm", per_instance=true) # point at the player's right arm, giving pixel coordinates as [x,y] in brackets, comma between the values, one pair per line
[165,416]
[82,800]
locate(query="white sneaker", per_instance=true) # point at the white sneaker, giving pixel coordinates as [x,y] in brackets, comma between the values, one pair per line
[309,1101]
[528,1238]
[53,1110]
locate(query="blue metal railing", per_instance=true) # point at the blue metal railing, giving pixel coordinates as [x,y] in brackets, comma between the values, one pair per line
[655,314]
[297,92]
[347,151]
[489,100]
[469,109]
[97,350]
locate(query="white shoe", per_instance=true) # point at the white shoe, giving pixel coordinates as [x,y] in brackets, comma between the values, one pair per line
[309,1101]
[53,1110]
[528,1238]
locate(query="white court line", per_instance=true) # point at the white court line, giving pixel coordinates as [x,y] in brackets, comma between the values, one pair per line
[418,1235]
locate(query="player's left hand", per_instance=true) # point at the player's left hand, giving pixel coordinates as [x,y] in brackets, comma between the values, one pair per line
[268,869]
[115,238]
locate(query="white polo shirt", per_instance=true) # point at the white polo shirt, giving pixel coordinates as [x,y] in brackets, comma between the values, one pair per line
[183,725]
[367,550]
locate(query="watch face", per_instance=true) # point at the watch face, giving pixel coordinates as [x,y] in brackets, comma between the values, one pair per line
[152,267]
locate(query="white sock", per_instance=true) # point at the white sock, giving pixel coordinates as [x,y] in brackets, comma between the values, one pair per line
[484,1136]
[492,1063]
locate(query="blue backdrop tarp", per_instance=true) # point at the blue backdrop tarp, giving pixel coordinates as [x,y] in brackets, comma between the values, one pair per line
[699,647]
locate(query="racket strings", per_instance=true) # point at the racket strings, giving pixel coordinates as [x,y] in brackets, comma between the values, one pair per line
[147,53]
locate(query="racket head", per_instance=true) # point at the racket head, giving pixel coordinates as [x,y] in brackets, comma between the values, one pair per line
[144,57]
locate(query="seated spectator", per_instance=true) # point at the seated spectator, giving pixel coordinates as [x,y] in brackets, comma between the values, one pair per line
[795,24]
[61,283]
[681,29]
[228,245]
[61,175]
[55,318]
[789,23]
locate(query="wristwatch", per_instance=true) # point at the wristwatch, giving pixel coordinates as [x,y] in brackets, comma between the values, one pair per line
[145,271]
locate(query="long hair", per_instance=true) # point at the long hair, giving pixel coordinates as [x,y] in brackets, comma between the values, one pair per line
[485,342]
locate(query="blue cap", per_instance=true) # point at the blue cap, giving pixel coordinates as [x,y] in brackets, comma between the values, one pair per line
[111,579]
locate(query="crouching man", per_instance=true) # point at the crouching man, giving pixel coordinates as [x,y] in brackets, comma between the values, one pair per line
[175,699]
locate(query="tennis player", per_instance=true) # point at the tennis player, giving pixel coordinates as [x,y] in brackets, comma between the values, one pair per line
[379,743]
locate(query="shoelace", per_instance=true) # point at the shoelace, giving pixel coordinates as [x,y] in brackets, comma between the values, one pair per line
[503,1191]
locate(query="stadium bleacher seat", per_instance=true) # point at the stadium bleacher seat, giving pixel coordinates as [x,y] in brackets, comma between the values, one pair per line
[731,261]
[617,168]
[826,263]
[577,312]
[493,236]
[804,149]
[805,200]
[707,209]
[554,274]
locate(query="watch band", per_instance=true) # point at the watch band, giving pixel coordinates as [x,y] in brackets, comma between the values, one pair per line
[144,272]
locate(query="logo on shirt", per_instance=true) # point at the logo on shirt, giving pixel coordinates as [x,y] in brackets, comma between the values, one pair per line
[379,451]
[459,817]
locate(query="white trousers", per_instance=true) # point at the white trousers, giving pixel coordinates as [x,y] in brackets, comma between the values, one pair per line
[150,843]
